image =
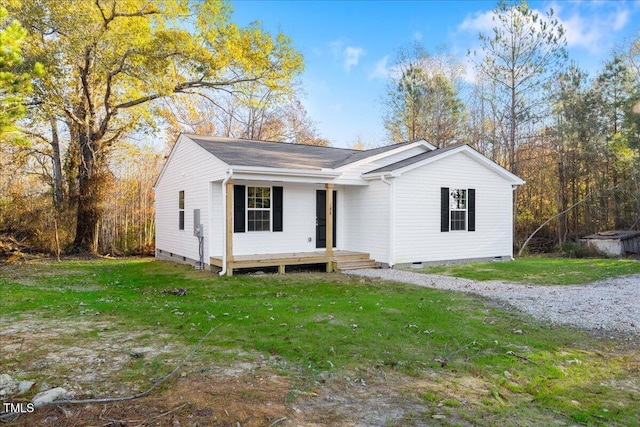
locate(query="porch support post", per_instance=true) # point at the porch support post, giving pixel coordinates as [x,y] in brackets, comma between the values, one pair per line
[329,227]
[229,227]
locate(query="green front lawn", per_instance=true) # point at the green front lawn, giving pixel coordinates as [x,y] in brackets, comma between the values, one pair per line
[330,323]
[541,270]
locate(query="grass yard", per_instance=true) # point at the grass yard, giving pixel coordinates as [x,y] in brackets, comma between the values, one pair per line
[443,358]
[541,270]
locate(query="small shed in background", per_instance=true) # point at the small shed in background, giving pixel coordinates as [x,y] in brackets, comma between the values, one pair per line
[614,242]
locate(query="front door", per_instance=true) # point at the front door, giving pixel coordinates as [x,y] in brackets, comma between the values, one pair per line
[321,218]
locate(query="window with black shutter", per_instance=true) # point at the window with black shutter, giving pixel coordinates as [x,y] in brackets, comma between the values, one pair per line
[257,209]
[457,209]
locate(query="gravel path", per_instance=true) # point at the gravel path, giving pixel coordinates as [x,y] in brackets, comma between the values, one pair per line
[608,305]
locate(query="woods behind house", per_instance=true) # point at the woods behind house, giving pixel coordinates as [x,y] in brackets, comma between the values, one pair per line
[88,113]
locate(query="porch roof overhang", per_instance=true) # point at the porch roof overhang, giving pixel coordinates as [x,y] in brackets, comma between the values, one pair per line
[311,176]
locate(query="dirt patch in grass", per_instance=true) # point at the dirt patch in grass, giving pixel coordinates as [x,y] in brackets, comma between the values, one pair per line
[250,399]
[82,356]
[92,359]
[250,391]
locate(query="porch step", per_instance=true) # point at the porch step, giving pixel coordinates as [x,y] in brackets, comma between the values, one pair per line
[354,256]
[355,264]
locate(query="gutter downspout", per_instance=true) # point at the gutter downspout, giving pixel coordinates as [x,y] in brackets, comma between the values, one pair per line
[391,218]
[224,222]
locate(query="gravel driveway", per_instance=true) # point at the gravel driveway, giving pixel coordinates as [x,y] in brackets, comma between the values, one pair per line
[611,305]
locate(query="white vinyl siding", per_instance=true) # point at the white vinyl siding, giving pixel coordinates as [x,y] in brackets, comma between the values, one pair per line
[354,171]
[189,169]
[396,157]
[417,211]
[218,222]
[366,227]
[299,223]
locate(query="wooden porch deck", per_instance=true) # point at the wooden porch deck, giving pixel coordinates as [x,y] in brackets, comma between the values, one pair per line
[340,260]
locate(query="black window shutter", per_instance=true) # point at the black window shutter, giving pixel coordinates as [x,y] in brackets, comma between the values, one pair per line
[335,218]
[444,209]
[277,208]
[238,208]
[471,226]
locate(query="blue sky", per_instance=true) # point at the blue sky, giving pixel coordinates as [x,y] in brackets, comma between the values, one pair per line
[349,46]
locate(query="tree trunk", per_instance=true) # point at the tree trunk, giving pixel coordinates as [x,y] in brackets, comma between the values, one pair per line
[71,161]
[89,192]
[561,203]
[617,220]
[512,149]
[57,164]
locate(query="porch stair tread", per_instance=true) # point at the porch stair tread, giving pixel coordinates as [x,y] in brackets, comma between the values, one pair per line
[355,264]
[351,256]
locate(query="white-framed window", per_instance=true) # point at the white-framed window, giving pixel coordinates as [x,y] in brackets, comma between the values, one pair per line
[259,208]
[181,210]
[458,209]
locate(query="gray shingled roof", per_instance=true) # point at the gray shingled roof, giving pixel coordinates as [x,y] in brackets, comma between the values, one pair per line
[414,159]
[246,152]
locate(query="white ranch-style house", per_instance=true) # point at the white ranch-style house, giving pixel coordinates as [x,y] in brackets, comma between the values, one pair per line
[230,203]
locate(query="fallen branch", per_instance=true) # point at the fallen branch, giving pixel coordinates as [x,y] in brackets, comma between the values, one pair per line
[526,359]
[144,420]
[551,219]
[278,421]
[155,385]
[444,360]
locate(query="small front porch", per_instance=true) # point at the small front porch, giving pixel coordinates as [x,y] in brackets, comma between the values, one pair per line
[337,261]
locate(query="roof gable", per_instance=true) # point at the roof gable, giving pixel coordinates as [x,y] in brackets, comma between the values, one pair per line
[419,160]
[181,140]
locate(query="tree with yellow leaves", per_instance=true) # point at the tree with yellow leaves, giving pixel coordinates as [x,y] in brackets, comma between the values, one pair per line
[108,63]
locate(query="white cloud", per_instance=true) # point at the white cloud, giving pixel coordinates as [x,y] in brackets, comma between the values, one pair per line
[593,31]
[470,74]
[579,33]
[587,25]
[621,19]
[380,70]
[480,21]
[352,57]
[417,36]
